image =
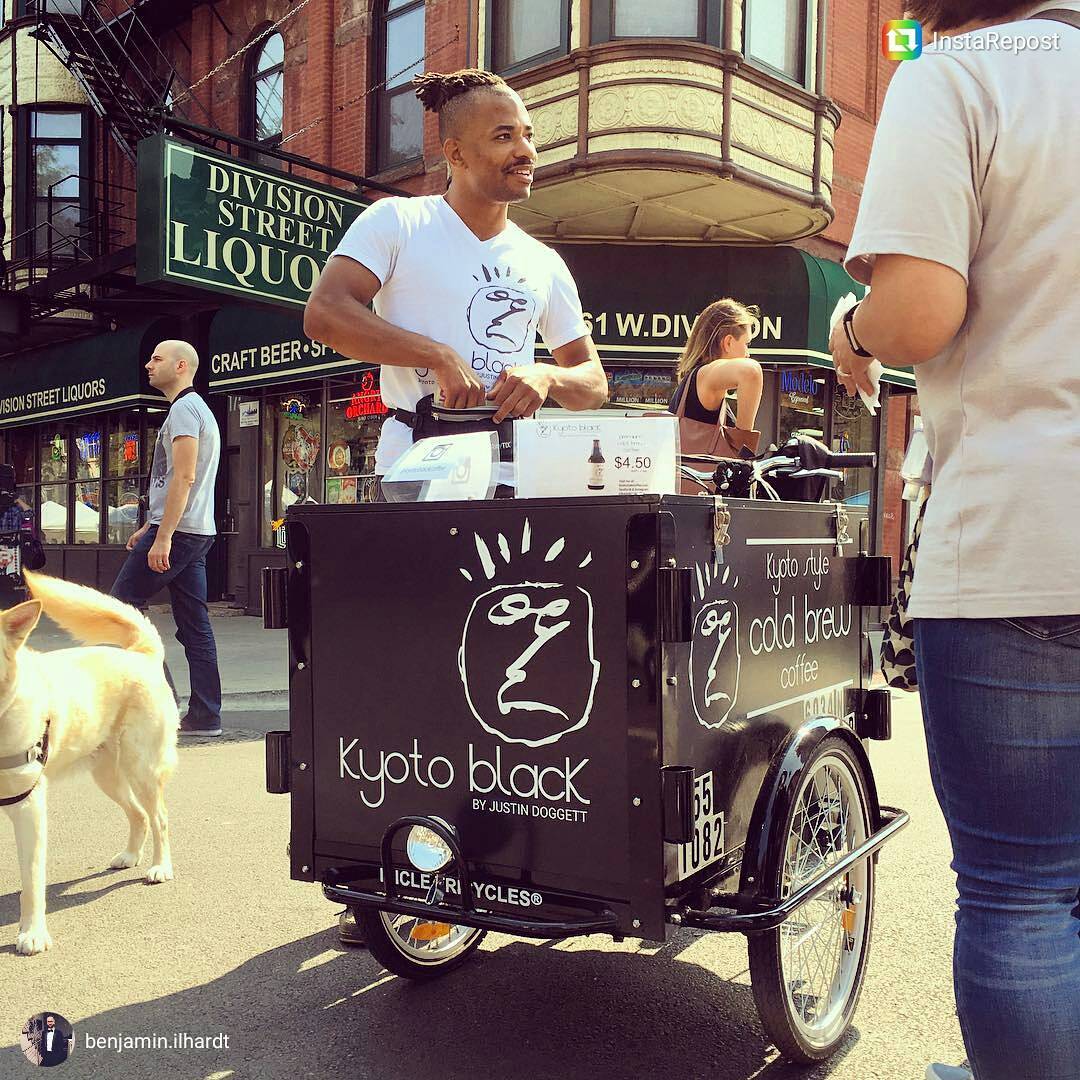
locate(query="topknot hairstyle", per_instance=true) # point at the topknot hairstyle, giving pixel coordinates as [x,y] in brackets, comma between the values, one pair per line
[446,94]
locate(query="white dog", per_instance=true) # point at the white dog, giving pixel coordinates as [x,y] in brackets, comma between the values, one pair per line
[110,709]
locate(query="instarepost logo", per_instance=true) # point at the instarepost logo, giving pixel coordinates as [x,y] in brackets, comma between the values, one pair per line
[901,39]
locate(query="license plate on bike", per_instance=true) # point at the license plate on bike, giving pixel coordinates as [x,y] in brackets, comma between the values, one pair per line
[707,846]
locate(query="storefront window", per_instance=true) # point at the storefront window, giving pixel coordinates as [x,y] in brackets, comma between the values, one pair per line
[125,448]
[52,446]
[801,404]
[354,419]
[641,386]
[87,513]
[122,511]
[54,513]
[292,455]
[69,472]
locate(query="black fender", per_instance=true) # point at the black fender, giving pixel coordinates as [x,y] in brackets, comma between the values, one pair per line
[765,837]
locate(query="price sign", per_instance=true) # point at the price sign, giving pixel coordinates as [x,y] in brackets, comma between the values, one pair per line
[595,455]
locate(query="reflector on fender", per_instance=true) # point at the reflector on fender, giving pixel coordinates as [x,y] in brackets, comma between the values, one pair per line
[429,931]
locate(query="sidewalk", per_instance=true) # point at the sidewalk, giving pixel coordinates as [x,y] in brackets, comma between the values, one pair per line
[254,662]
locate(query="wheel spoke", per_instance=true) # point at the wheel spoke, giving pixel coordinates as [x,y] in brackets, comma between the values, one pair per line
[818,966]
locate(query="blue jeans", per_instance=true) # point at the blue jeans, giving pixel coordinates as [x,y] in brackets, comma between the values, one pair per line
[1001,705]
[186,581]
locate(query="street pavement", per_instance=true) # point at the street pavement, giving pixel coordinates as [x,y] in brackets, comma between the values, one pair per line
[233,948]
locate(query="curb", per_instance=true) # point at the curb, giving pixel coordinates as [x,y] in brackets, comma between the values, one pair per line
[256,700]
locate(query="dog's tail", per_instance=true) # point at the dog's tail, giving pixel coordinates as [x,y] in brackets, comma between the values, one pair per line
[93,617]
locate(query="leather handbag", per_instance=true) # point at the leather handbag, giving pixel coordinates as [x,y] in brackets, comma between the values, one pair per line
[700,440]
[898,648]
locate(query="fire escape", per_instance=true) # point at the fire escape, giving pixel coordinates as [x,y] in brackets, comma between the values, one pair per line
[132,86]
[135,90]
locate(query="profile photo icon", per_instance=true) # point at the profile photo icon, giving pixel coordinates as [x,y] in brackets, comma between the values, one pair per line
[47,1039]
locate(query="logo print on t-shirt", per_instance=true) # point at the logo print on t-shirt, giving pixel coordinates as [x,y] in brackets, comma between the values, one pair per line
[500,314]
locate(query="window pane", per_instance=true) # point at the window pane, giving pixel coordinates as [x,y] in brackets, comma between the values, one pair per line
[124,444]
[122,503]
[21,454]
[53,451]
[404,47]
[66,221]
[273,53]
[525,28]
[87,512]
[776,34]
[297,452]
[394,5]
[87,448]
[269,105]
[56,125]
[56,167]
[62,7]
[656,18]
[406,134]
[54,514]
[266,468]
[355,417]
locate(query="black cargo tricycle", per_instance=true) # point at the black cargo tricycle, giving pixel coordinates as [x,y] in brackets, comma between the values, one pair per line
[603,715]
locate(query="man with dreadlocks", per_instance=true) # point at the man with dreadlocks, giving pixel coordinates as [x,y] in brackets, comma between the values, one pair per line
[459,291]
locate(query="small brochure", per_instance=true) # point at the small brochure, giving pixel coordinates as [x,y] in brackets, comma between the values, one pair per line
[446,468]
[596,455]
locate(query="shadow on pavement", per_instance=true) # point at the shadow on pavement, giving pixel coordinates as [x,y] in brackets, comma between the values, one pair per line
[57,898]
[310,1009]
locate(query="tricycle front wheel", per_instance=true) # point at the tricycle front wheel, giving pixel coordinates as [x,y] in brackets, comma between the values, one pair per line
[807,974]
[416,948]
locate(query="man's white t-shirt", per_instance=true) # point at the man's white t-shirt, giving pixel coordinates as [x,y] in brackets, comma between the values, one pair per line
[486,299]
[974,165]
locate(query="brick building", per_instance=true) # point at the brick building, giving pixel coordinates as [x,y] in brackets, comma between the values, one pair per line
[687,151]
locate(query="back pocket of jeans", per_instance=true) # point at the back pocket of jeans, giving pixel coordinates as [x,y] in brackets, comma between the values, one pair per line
[1047,627]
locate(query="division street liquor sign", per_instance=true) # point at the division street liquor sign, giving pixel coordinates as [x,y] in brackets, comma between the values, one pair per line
[211,221]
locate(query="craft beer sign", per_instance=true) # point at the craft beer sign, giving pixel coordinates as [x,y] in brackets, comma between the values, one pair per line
[208,220]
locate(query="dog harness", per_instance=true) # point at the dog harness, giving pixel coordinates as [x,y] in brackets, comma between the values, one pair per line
[37,754]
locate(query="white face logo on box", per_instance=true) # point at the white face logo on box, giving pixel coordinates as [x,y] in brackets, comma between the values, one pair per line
[527,660]
[715,660]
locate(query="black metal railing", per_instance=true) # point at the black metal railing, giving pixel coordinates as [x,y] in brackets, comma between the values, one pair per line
[129,80]
[105,224]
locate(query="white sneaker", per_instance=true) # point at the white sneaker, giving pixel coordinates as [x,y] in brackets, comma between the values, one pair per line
[947,1072]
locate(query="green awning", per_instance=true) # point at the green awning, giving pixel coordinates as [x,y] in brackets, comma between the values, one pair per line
[92,374]
[642,300]
[827,282]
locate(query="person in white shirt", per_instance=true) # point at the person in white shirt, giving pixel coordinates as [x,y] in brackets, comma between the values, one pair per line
[459,291]
[966,232]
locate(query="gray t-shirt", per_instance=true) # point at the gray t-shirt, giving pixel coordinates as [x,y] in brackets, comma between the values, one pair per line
[975,165]
[188,415]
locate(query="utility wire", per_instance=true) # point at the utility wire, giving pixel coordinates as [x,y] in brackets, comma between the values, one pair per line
[378,86]
[240,52]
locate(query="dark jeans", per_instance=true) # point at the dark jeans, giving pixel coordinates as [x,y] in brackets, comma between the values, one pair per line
[1001,704]
[186,581]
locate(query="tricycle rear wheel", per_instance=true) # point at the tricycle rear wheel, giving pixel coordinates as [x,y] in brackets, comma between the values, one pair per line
[807,974]
[416,948]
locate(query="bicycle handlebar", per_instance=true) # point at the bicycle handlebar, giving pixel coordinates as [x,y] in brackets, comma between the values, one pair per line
[852,461]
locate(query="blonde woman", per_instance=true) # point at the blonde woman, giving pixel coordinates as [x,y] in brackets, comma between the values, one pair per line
[715,361]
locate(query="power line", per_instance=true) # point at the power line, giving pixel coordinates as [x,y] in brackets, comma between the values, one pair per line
[378,86]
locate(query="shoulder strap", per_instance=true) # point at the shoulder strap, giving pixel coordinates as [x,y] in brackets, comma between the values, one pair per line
[1061,15]
[723,418]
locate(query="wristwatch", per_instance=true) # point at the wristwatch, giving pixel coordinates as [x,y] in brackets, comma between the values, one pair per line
[849,329]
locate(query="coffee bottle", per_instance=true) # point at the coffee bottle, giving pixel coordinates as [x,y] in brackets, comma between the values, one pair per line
[596,467]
